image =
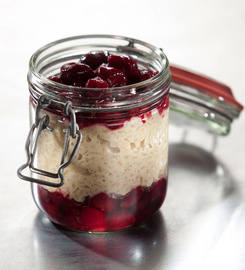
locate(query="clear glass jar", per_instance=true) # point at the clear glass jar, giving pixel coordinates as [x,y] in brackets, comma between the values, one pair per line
[99,157]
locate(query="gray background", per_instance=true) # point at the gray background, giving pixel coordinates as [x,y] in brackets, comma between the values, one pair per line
[201,224]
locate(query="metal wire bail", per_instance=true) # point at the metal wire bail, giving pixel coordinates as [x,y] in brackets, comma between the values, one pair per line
[42,123]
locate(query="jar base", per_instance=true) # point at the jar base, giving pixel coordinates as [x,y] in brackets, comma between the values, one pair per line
[102,212]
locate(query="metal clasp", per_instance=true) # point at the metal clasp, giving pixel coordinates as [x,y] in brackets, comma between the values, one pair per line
[42,123]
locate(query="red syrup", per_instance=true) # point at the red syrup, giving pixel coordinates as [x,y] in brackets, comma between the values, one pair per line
[112,120]
[103,212]
[116,120]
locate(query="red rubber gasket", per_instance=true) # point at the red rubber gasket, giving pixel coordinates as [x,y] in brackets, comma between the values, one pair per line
[204,84]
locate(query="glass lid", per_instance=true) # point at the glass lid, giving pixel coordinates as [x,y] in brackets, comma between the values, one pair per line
[202,102]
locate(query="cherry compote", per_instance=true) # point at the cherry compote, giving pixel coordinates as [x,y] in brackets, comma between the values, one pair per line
[100,69]
[116,70]
[103,212]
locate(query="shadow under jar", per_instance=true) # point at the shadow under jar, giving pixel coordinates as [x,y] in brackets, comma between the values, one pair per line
[100,158]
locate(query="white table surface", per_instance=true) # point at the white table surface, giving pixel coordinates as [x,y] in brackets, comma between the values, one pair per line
[202,222]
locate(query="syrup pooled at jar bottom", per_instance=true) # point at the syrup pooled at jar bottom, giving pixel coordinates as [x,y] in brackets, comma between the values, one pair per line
[103,212]
[118,178]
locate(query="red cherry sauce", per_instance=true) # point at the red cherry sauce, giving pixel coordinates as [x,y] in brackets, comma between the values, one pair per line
[103,212]
[116,120]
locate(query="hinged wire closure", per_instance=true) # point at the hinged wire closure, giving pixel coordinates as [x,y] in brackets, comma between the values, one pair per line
[40,124]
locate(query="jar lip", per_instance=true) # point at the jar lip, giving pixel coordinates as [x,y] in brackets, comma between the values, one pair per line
[163,73]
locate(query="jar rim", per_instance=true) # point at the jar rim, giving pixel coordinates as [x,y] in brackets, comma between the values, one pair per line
[162,76]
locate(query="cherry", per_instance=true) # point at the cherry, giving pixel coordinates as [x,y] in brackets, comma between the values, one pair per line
[76,74]
[96,82]
[92,219]
[158,191]
[114,76]
[103,202]
[95,58]
[111,71]
[121,219]
[146,74]
[55,78]
[131,198]
[125,63]
[144,201]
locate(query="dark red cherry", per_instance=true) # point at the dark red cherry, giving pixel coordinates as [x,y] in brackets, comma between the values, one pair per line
[132,198]
[114,76]
[95,58]
[96,82]
[146,74]
[55,78]
[144,201]
[158,191]
[92,219]
[103,202]
[120,220]
[76,74]
[125,63]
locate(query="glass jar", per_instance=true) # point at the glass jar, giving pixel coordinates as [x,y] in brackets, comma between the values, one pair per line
[98,157]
